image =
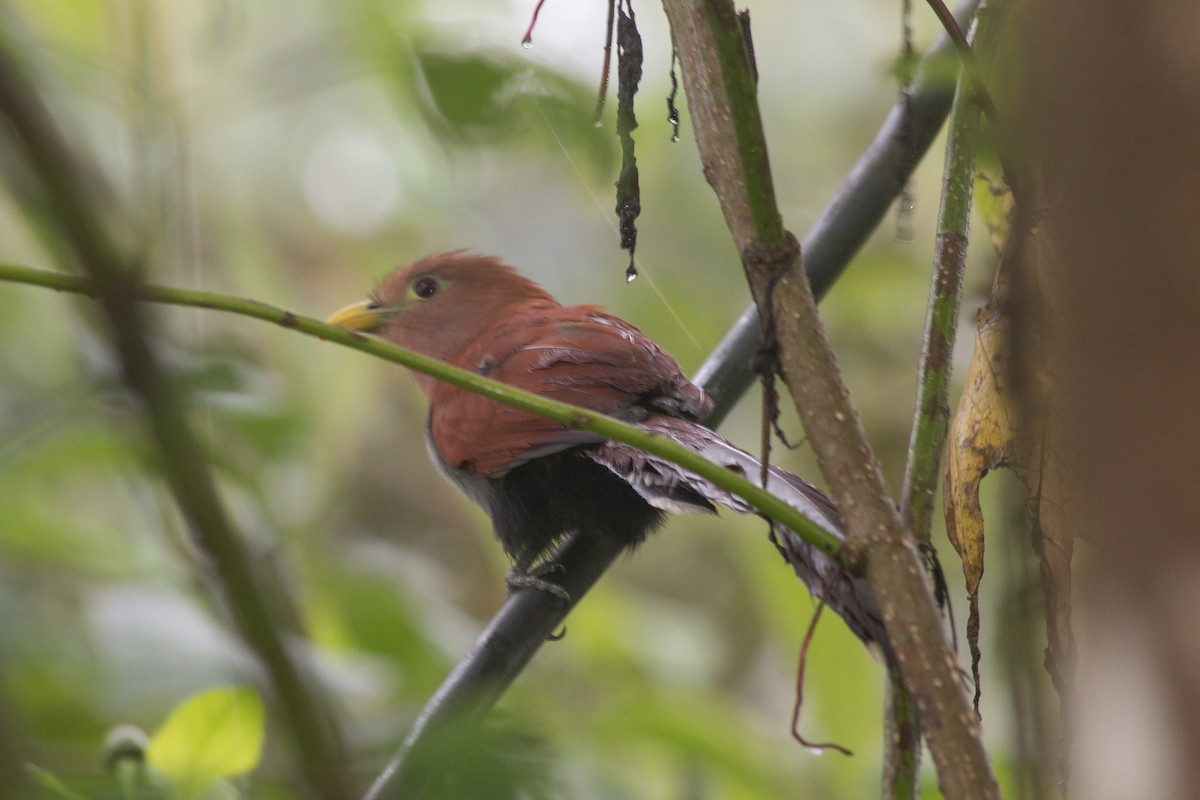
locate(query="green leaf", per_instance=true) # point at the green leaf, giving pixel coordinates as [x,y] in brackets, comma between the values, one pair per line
[493,98]
[465,88]
[215,734]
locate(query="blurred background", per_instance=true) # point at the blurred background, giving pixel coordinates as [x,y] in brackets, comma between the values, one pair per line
[295,152]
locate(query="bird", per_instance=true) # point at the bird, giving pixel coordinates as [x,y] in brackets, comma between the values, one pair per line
[539,480]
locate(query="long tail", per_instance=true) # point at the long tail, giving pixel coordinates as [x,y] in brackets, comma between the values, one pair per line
[668,486]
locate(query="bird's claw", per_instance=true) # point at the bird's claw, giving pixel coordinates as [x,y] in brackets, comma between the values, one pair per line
[532,578]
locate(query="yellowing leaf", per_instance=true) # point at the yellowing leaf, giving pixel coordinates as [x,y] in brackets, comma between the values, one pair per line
[983,436]
[981,439]
[213,734]
[994,428]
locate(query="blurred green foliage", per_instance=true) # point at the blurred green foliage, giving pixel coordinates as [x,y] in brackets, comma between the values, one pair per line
[294,152]
[213,735]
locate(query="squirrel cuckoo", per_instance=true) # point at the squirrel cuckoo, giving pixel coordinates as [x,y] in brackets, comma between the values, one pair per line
[539,480]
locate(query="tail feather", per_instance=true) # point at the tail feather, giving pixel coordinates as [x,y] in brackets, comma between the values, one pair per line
[668,486]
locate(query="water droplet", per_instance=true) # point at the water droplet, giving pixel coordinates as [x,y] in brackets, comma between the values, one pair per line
[527,42]
[814,750]
[631,274]
[674,137]
[599,123]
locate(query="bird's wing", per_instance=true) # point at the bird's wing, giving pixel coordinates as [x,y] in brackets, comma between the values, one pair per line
[670,487]
[657,479]
[576,355]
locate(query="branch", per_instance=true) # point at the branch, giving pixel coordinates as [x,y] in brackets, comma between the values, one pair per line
[73,204]
[902,743]
[565,414]
[972,75]
[857,208]
[717,78]
[932,413]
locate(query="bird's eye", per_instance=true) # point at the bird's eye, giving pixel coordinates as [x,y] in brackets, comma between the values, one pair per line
[426,287]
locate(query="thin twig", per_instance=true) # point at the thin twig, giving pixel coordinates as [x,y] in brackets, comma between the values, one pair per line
[564,413]
[606,67]
[527,39]
[801,669]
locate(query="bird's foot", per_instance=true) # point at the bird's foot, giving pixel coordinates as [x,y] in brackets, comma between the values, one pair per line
[533,578]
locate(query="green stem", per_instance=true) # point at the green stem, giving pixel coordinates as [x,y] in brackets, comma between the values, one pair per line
[932,416]
[902,743]
[972,78]
[902,746]
[568,415]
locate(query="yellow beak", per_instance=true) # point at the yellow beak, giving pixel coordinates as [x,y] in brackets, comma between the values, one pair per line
[365,316]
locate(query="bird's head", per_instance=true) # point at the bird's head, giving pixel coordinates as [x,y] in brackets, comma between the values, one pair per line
[442,303]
